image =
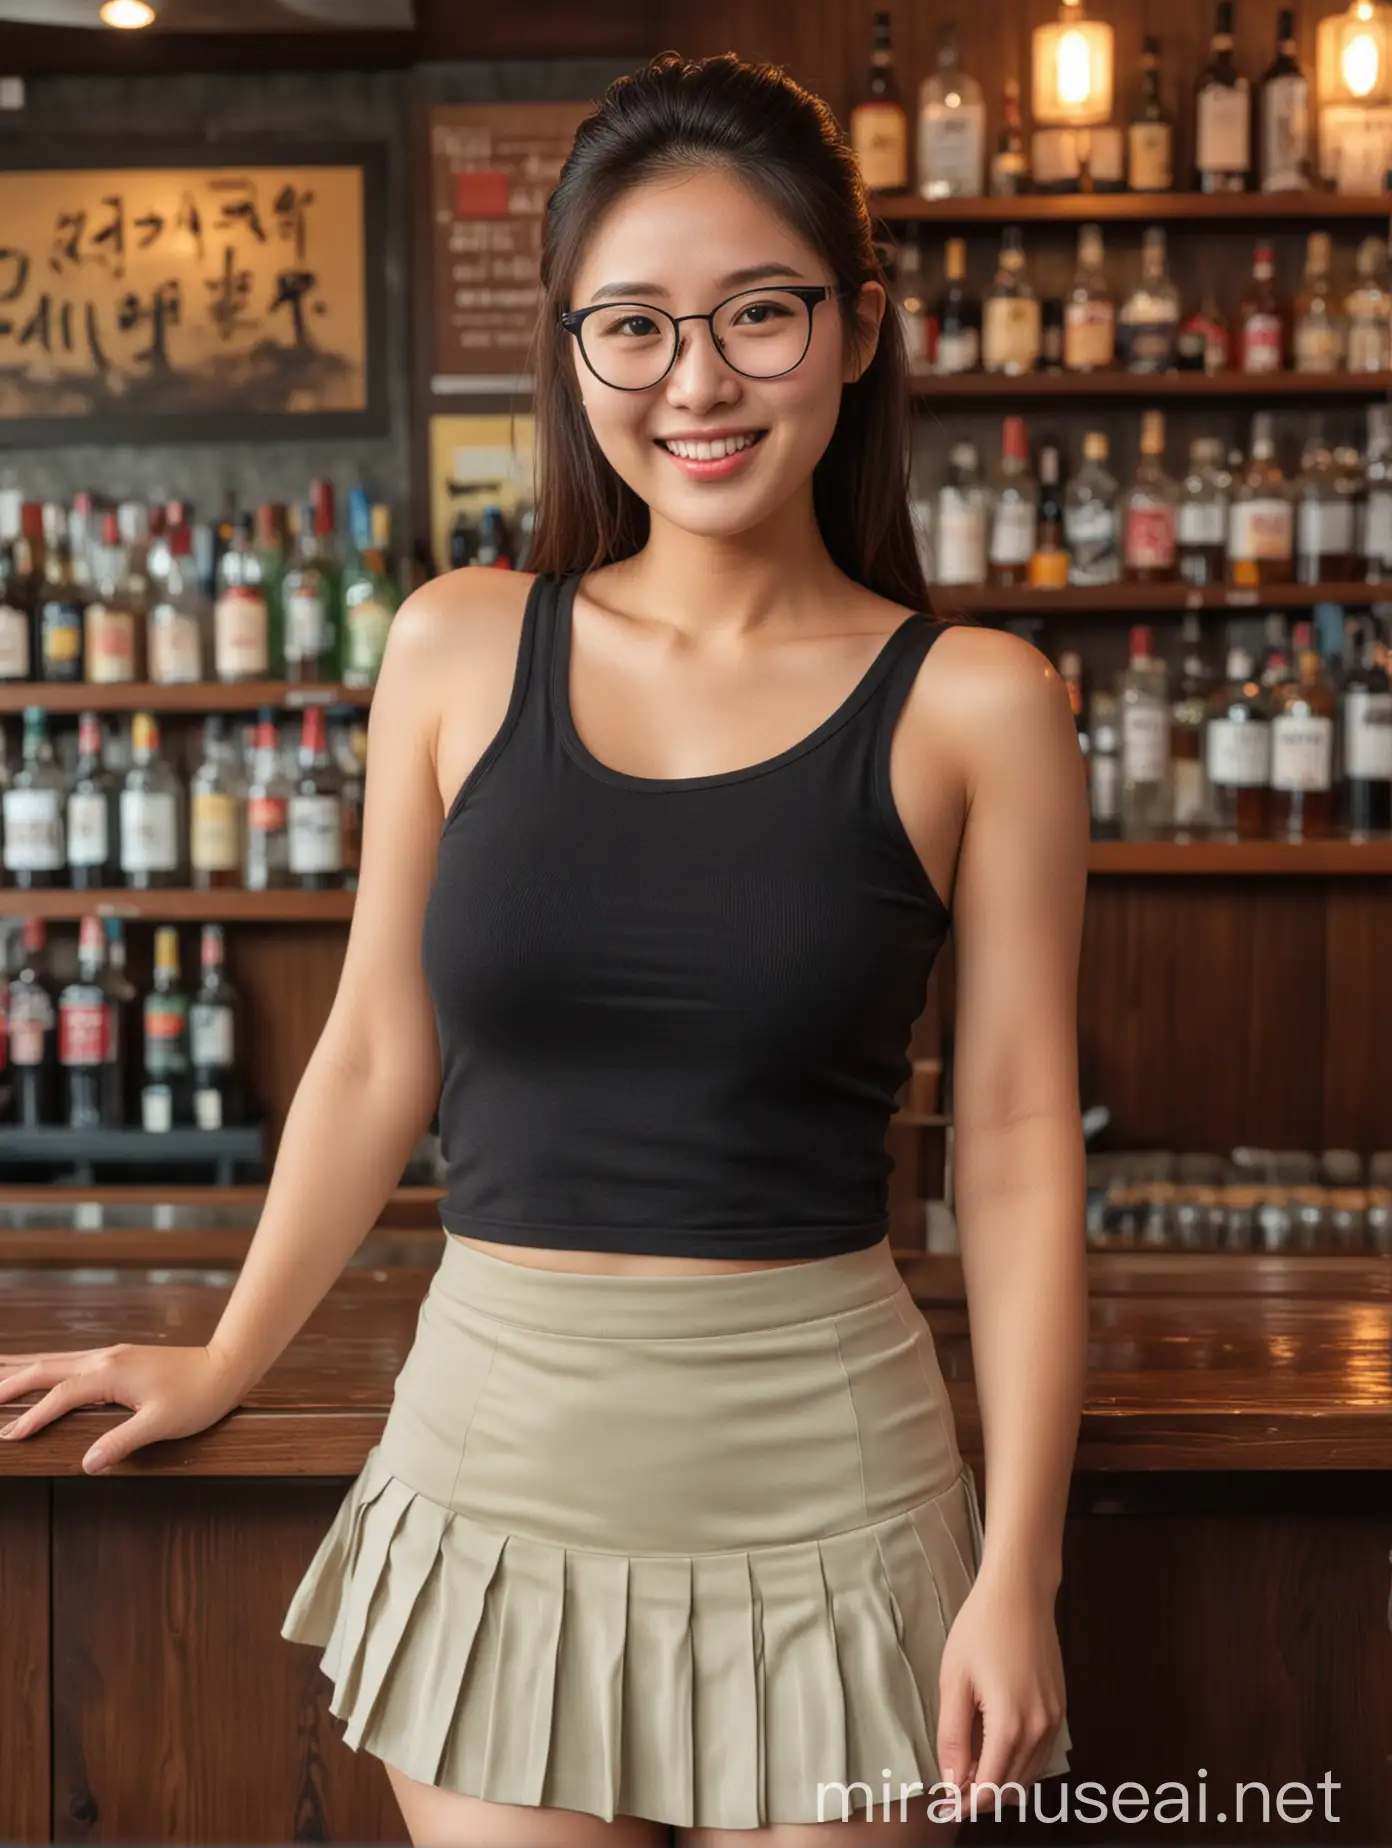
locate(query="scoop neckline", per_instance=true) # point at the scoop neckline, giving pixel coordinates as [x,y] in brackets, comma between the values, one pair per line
[582,754]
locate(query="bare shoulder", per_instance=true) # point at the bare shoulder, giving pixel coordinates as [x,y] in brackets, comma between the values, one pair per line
[994,701]
[458,611]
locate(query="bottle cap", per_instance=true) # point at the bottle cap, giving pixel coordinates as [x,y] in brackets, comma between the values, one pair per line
[1095,446]
[1013,442]
[1141,639]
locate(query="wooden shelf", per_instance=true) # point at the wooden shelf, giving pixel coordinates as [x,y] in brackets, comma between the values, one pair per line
[1338,858]
[179,903]
[1157,387]
[205,696]
[1132,208]
[1140,599]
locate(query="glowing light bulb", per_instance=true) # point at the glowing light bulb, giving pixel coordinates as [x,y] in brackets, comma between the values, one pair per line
[1073,68]
[127,15]
[1359,63]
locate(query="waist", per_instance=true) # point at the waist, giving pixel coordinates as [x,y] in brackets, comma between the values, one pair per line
[617,1263]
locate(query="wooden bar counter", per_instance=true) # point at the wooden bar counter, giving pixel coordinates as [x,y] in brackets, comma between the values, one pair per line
[1224,1613]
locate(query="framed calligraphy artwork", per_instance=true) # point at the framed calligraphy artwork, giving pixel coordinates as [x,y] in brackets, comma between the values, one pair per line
[177,300]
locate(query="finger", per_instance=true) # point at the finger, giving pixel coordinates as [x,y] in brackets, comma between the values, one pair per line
[21,1360]
[115,1446]
[46,1372]
[957,1710]
[80,1389]
[1001,1742]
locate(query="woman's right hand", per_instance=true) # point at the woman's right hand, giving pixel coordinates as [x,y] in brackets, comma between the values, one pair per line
[172,1391]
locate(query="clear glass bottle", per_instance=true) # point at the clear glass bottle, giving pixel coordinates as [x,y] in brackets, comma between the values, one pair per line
[1261,521]
[951,127]
[35,854]
[1089,311]
[1090,517]
[114,627]
[1367,308]
[962,519]
[958,316]
[909,306]
[90,813]
[179,627]
[1014,508]
[1353,482]
[216,810]
[267,866]
[152,832]
[370,595]
[1104,766]
[1324,517]
[1148,324]
[1237,752]
[1223,114]
[310,595]
[1317,340]
[241,611]
[1377,519]
[1010,163]
[1010,315]
[1192,803]
[1302,746]
[1146,794]
[1149,510]
[1283,112]
[1261,325]
[1202,521]
[1150,133]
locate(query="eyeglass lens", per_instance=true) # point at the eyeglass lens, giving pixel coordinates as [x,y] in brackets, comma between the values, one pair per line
[631,346]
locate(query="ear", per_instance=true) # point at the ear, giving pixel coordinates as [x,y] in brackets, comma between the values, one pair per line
[863,333]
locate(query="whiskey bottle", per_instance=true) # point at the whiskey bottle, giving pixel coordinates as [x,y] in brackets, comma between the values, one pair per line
[1223,117]
[1010,317]
[1283,111]
[1302,746]
[214,1031]
[1202,521]
[879,121]
[958,316]
[310,594]
[1237,752]
[315,811]
[1324,518]
[962,511]
[1261,524]
[1089,312]
[1261,328]
[241,612]
[34,853]
[63,602]
[1048,566]
[1148,324]
[179,625]
[91,814]
[114,629]
[1014,510]
[1149,510]
[89,1047]
[1366,712]
[1367,305]
[267,865]
[151,812]
[1317,339]
[1146,804]
[1090,517]
[164,1094]
[215,813]
[1150,134]
[1010,163]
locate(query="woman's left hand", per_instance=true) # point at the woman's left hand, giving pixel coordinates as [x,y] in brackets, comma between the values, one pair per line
[1002,1659]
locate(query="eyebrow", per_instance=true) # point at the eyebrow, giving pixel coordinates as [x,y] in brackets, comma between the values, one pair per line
[635,291]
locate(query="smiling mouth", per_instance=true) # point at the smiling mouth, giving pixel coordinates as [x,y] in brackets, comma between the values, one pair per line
[712,451]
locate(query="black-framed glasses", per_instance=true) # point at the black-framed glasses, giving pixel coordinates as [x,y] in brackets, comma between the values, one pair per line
[759,333]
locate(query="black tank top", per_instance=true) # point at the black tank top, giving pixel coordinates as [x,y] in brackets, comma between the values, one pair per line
[674,1014]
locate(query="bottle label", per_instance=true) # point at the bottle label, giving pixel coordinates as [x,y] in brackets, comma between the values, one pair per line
[62,634]
[1150,156]
[1285,134]
[316,834]
[241,634]
[1369,343]
[14,643]
[1302,751]
[1202,523]
[266,814]
[156,1109]
[1010,340]
[1237,753]
[1089,334]
[951,149]
[1368,736]
[176,651]
[1012,532]
[33,830]
[1317,346]
[1146,346]
[84,1032]
[959,351]
[1223,128]
[214,846]
[366,621]
[1324,529]
[880,137]
[1049,570]
[306,625]
[961,539]
[1190,792]
[1377,539]
[1091,530]
[88,829]
[1104,784]
[207,1108]
[149,831]
[32,1019]
[166,1034]
[1260,529]
[110,645]
[1145,743]
[1150,537]
[211,1036]
[1261,343]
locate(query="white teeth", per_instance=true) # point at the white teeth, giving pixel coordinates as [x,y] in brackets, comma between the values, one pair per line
[709,452]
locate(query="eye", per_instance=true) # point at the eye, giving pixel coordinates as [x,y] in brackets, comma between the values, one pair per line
[762,313]
[627,324]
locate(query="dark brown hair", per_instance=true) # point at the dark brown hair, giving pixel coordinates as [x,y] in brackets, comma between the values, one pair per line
[783,143]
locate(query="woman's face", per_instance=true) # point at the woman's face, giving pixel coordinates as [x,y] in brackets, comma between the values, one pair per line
[710,450]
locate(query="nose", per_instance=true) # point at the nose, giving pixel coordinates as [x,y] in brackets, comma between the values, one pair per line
[699,377]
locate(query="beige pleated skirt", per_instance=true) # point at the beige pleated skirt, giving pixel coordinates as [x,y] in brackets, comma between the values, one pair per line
[676,1547]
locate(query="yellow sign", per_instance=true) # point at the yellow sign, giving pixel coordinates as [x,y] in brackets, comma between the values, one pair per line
[477,461]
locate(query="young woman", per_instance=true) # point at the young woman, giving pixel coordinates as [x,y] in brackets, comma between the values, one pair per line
[668,1528]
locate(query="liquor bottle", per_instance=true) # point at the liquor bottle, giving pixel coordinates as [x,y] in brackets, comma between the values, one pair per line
[1302,746]
[1366,713]
[1048,565]
[1090,517]
[216,849]
[350,750]
[1368,331]
[1223,126]
[126,1004]
[33,1014]
[1237,752]
[268,796]
[1203,342]
[1010,163]
[1146,778]
[1070,669]
[1261,522]
[1261,327]
[1148,324]
[909,307]
[1014,508]
[958,316]
[62,604]
[1351,480]
[962,510]
[309,595]
[180,642]
[1104,768]
[34,855]
[951,128]
[241,611]
[1324,518]
[89,1049]
[215,1035]
[91,813]
[879,121]
[315,812]
[113,631]
[164,1094]
[1283,111]
[1150,134]
[1010,316]
[1089,312]
[493,543]
[1377,519]
[21,574]
[1202,524]
[1317,338]
[151,812]
[1050,334]
[1192,803]
[1149,510]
